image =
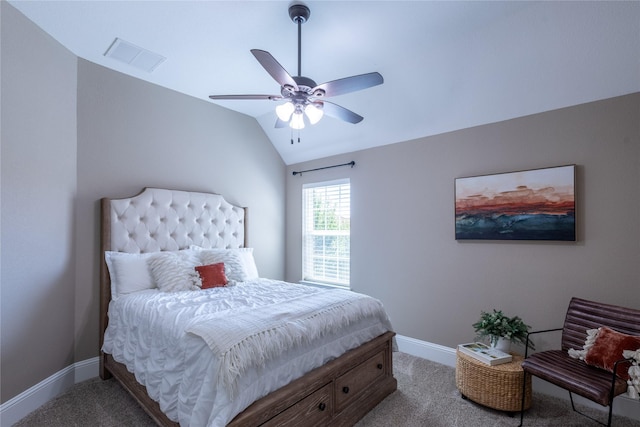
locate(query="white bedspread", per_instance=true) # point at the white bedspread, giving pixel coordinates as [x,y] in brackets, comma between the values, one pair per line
[148,333]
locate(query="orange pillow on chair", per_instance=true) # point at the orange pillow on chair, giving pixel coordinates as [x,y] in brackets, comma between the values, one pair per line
[212,275]
[607,350]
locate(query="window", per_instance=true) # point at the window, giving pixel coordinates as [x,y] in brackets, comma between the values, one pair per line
[326,229]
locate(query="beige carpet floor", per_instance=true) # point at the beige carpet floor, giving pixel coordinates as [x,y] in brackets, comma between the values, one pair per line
[426,396]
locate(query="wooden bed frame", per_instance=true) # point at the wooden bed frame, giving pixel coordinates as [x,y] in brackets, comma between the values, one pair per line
[338,394]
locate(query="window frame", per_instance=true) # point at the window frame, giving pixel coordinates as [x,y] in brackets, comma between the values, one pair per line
[307,276]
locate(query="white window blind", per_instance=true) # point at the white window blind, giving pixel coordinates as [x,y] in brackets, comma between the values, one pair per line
[326,232]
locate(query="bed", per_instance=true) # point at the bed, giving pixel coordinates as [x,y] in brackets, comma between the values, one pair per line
[329,374]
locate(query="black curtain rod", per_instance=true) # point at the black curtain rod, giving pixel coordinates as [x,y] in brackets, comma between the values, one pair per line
[351,163]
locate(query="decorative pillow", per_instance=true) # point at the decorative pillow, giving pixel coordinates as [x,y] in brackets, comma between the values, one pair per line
[212,275]
[128,272]
[607,349]
[174,271]
[233,262]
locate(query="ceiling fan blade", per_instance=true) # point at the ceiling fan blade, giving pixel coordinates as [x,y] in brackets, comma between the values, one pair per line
[268,97]
[334,110]
[350,84]
[274,68]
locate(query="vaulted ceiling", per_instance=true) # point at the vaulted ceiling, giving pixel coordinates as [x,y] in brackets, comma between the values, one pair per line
[446,65]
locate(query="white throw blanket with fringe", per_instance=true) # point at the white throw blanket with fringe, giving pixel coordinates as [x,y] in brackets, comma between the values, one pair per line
[253,336]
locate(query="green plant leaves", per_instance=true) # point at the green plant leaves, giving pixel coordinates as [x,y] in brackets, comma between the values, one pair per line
[495,325]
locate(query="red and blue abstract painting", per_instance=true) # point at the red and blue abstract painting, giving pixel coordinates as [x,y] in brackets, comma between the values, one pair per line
[537,204]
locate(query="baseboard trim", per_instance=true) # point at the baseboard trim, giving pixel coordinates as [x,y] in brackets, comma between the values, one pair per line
[426,350]
[28,401]
[622,405]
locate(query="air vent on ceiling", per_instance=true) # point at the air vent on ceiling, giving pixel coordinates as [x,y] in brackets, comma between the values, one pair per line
[133,55]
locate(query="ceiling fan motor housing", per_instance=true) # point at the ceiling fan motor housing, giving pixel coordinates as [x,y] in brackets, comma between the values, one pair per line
[306,89]
[305,84]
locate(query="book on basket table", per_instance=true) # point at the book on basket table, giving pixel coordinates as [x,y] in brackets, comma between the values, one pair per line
[484,353]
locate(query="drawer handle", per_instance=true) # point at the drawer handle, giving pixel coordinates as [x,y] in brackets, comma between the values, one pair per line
[322,406]
[345,390]
[379,365]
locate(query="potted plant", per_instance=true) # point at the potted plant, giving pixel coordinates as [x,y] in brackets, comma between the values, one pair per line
[499,327]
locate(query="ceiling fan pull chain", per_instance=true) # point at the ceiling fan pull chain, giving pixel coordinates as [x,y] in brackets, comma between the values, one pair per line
[292,136]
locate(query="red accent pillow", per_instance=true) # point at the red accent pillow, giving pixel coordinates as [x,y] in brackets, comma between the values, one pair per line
[212,275]
[607,350]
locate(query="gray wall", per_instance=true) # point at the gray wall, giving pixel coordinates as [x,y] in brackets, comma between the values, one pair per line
[74,132]
[132,134]
[38,188]
[403,249]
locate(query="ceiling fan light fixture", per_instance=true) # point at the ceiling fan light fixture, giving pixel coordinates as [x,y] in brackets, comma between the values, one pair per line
[303,99]
[297,121]
[285,110]
[314,112]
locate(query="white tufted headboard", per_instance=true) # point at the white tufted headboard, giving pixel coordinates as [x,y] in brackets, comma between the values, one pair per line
[166,220]
[169,220]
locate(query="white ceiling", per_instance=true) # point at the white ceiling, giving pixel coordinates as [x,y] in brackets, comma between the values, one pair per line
[447,65]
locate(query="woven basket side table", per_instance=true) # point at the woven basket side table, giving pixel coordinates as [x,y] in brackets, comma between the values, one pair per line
[498,387]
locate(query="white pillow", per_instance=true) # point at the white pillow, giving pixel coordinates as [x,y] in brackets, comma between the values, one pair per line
[128,272]
[249,262]
[175,271]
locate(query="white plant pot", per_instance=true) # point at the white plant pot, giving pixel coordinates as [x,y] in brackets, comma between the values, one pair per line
[503,344]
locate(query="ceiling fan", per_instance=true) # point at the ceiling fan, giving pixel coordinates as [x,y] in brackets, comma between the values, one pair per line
[305,100]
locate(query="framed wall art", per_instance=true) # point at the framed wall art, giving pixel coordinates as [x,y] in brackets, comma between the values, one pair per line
[537,204]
